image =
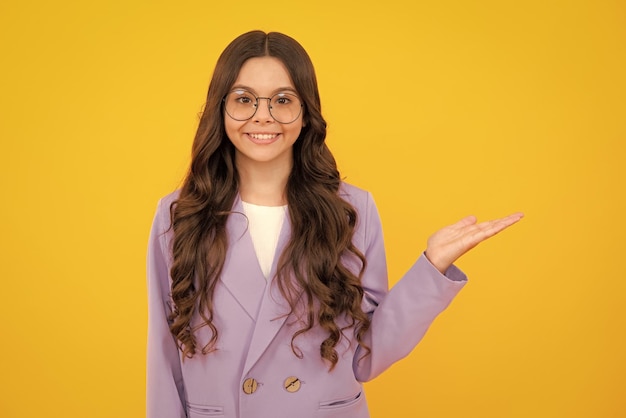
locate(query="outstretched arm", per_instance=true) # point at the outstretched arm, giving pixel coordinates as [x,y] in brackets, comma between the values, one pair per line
[401,317]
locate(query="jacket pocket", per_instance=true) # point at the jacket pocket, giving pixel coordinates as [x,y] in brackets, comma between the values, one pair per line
[196,410]
[343,402]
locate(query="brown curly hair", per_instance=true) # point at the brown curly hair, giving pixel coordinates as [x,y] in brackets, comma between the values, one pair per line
[313,262]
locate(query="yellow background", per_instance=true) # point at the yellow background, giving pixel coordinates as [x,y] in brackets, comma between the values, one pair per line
[511,106]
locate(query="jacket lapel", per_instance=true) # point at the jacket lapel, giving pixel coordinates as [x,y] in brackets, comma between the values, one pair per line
[242,275]
[274,309]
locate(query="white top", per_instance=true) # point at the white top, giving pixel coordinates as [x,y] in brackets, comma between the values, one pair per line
[264,224]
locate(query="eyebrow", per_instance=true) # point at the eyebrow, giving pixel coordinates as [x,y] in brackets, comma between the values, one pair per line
[250,89]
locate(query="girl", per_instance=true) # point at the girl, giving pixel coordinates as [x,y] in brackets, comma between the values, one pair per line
[267,279]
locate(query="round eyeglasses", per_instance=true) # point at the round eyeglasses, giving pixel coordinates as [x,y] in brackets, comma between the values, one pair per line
[242,105]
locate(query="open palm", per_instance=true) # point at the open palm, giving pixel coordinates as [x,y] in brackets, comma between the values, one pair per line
[445,246]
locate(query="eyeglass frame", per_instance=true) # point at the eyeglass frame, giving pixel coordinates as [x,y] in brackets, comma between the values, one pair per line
[256,106]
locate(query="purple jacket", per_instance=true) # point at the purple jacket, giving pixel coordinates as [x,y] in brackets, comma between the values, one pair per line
[254,372]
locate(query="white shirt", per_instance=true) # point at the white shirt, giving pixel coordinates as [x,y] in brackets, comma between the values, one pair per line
[265,224]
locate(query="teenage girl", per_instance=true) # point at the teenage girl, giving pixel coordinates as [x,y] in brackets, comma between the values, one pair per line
[267,278]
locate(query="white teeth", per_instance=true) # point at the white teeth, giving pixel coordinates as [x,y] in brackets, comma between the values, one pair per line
[263,136]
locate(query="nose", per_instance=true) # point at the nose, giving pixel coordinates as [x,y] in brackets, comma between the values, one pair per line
[262,110]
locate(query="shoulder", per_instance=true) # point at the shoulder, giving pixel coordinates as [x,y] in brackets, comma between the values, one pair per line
[363,203]
[367,233]
[167,200]
[162,216]
[358,197]
[361,199]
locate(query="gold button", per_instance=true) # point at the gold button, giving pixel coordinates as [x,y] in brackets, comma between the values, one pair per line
[249,386]
[292,384]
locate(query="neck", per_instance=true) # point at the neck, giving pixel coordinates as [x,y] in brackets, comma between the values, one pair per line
[263,183]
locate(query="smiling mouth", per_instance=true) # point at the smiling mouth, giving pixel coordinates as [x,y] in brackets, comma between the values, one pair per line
[263,137]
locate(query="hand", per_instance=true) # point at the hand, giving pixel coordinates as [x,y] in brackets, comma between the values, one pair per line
[445,246]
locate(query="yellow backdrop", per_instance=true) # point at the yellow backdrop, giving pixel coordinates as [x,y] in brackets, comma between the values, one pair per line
[512,106]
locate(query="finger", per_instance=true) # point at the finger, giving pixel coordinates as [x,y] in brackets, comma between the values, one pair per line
[488,229]
[506,221]
[509,220]
[513,217]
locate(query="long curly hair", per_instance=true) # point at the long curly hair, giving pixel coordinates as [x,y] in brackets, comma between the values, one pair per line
[312,268]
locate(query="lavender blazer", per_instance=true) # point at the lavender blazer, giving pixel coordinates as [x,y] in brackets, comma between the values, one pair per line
[254,372]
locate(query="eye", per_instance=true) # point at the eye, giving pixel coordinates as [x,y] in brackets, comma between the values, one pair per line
[283,99]
[242,97]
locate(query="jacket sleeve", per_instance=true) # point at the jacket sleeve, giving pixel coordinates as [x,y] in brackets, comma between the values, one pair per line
[399,317]
[164,382]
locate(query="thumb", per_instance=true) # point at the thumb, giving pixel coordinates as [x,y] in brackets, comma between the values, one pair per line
[468,220]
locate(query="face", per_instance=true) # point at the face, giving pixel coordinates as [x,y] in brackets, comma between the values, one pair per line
[261,139]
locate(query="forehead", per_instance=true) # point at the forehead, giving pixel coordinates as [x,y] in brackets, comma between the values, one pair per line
[264,75]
